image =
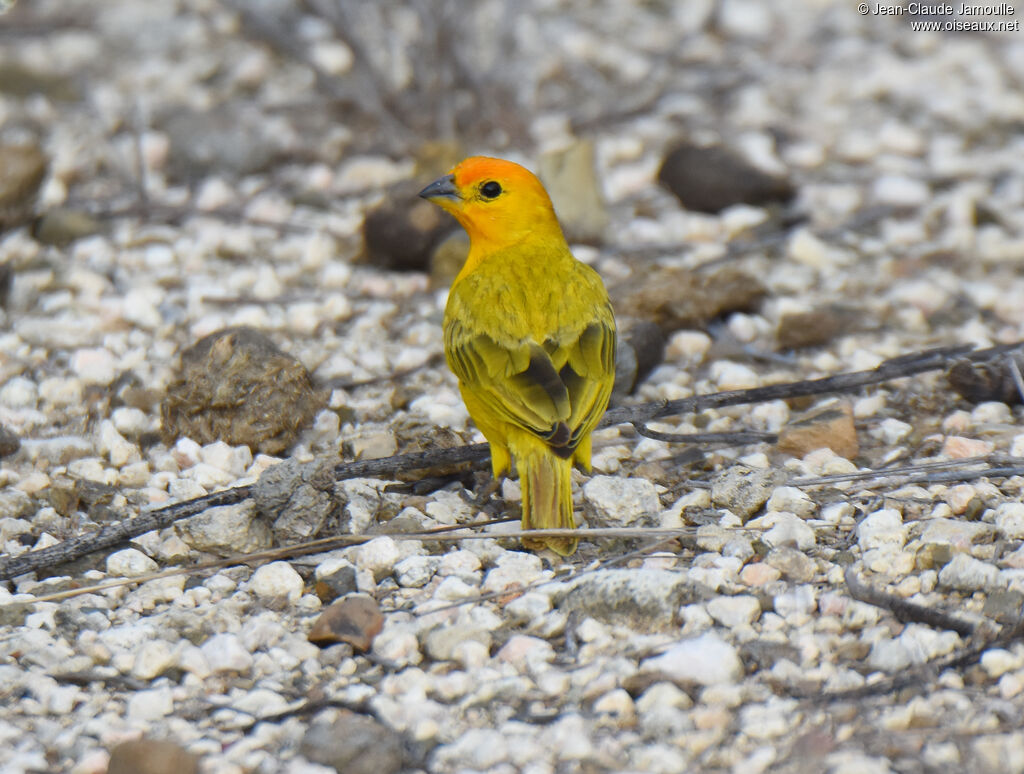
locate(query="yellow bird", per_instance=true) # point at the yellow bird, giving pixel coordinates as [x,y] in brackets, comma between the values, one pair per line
[530,334]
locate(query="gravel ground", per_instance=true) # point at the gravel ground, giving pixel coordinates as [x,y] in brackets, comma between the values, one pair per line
[209,165]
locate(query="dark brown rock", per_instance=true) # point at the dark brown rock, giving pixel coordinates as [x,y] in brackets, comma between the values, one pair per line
[401,233]
[238,387]
[355,620]
[744,490]
[711,178]
[990,380]
[831,427]
[339,583]
[151,756]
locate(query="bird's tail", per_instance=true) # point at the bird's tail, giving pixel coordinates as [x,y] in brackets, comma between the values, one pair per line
[546,485]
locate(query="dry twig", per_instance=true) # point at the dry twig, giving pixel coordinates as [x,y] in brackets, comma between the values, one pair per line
[116,534]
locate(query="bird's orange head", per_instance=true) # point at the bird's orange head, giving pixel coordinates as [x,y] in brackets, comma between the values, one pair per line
[499,203]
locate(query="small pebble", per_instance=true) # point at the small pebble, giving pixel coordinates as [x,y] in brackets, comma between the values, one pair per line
[277,585]
[130,563]
[703,660]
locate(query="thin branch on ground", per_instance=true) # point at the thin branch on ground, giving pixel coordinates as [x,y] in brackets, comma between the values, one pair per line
[982,637]
[324,545]
[121,532]
[1011,363]
[905,610]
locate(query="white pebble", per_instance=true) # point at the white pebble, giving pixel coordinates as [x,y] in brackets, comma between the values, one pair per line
[379,556]
[277,584]
[792,500]
[691,346]
[728,375]
[900,191]
[526,652]
[1009,518]
[94,366]
[705,660]
[734,612]
[998,661]
[798,601]
[234,460]
[790,530]
[152,658]
[884,527]
[416,571]
[129,422]
[621,502]
[19,393]
[225,653]
[152,704]
[115,447]
[891,431]
[889,656]
[992,413]
[130,563]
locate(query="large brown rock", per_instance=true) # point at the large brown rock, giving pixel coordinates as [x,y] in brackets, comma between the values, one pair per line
[236,386]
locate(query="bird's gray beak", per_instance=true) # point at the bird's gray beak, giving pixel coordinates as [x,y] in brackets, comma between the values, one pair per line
[442,188]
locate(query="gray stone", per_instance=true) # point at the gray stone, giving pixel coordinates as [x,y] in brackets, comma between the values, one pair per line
[130,563]
[792,563]
[882,528]
[221,139]
[416,571]
[889,656]
[741,610]
[744,490]
[643,599]
[299,498]
[622,502]
[226,530]
[354,744]
[965,573]
[14,504]
[441,643]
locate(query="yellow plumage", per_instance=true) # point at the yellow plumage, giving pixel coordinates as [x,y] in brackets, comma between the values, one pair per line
[530,334]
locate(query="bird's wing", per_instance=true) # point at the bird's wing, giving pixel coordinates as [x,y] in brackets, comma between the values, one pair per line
[517,384]
[588,374]
[556,391]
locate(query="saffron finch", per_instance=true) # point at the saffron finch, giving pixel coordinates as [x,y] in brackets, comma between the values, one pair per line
[530,334]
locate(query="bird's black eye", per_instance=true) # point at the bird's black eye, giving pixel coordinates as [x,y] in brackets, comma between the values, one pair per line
[490,189]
